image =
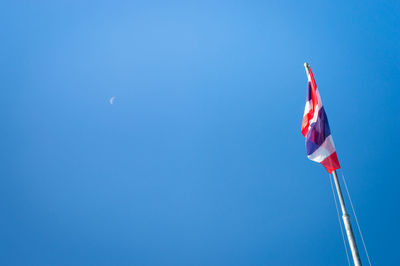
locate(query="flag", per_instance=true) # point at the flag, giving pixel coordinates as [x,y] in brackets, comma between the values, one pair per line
[315,128]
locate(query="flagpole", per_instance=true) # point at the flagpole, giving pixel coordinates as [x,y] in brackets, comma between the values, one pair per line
[346,217]
[347,224]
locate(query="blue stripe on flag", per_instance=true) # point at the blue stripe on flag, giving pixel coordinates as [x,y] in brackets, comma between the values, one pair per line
[309,92]
[318,132]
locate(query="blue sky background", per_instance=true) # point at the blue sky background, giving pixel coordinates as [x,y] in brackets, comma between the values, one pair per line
[200,160]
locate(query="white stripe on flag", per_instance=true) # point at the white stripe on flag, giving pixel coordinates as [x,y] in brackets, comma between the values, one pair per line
[308,107]
[326,149]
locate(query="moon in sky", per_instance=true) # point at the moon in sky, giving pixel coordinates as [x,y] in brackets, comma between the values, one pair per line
[112,100]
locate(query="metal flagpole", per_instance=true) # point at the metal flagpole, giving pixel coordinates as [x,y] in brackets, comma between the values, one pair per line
[347,224]
[346,217]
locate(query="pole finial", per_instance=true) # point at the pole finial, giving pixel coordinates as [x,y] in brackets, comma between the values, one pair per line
[307,67]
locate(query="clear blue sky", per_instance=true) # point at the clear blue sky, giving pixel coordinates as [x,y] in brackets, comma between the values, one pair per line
[200,160]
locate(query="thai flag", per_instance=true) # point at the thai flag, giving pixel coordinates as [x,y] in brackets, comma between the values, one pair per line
[315,128]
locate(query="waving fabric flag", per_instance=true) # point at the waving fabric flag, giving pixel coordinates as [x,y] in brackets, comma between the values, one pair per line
[315,128]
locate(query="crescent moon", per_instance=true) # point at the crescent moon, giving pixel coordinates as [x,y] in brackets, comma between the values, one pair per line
[112,100]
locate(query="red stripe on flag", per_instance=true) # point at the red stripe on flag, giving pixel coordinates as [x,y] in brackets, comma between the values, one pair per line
[314,97]
[331,163]
[306,122]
